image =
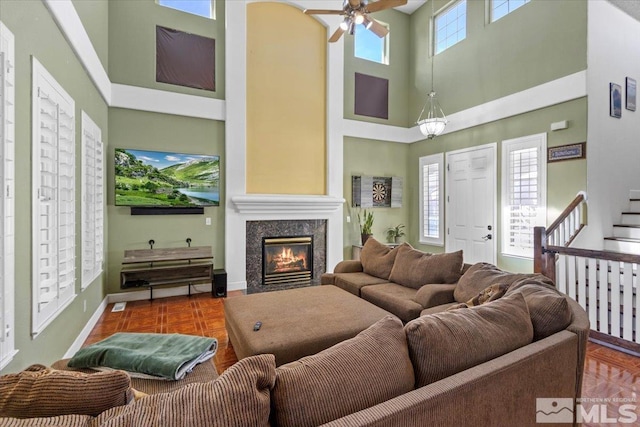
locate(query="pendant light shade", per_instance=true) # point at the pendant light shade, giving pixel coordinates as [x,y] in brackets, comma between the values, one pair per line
[432,120]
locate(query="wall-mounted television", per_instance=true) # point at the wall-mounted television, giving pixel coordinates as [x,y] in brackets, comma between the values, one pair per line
[166,179]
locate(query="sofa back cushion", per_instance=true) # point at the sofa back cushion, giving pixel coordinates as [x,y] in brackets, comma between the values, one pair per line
[548,308]
[377,259]
[414,268]
[355,374]
[446,343]
[39,391]
[479,277]
[239,397]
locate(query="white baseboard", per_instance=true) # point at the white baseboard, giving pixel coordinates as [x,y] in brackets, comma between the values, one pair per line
[84,334]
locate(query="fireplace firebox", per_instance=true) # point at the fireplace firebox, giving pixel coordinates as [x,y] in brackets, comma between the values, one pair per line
[287,260]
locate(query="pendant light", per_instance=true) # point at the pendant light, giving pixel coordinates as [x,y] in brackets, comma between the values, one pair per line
[432,120]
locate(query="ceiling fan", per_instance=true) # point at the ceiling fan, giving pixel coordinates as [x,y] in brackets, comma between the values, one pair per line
[357,12]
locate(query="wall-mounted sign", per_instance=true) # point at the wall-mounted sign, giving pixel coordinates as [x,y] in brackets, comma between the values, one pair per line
[567,152]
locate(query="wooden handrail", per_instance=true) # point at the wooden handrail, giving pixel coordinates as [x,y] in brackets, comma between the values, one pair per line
[590,253]
[565,213]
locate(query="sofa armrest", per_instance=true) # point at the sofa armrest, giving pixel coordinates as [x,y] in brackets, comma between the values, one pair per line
[348,266]
[434,294]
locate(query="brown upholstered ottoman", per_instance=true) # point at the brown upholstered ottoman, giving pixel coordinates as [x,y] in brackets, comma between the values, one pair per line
[296,322]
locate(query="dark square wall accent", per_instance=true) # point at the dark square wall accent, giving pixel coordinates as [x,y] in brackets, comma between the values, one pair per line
[185,59]
[372,96]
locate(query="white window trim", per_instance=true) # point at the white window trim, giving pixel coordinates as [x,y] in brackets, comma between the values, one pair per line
[92,201]
[7,213]
[538,141]
[49,96]
[385,46]
[424,161]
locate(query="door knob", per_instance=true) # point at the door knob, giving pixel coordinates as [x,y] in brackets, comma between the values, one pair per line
[489,227]
[487,237]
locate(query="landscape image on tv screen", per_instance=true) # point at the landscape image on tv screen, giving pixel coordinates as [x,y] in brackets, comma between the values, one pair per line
[165,179]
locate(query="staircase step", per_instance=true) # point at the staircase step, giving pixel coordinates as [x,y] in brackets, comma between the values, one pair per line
[634,205]
[626,231]
[622,245]
[630,218]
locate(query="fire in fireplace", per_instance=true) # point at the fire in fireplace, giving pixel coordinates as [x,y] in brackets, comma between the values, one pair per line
[287,259]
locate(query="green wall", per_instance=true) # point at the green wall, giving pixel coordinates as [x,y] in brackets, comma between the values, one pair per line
[152,131]
[564,179]
[377,158]
[37,34]
[396,72]
[94,15]
[132,43]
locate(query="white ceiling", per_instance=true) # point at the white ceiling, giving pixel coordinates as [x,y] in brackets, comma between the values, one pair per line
[411,6]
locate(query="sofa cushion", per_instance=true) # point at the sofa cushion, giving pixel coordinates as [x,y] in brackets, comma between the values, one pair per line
[443,344]
[548,308]
[239,397]
[415,268]
[353,375]
[479,277]
[490,293]
[395,298]
[39,391]
[377,259]
[354,282]
[60,421]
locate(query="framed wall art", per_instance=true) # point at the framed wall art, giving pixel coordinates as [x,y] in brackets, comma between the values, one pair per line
[566,152]
[615,100]
[631,94]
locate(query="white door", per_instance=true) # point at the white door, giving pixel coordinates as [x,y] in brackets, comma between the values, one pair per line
[471,203]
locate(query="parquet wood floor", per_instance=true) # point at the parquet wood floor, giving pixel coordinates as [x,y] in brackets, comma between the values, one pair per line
[608,373]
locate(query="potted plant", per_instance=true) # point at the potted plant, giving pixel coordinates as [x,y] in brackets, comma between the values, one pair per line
[394,233]
[365,225]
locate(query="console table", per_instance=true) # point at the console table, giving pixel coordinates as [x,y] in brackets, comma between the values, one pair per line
[167,267]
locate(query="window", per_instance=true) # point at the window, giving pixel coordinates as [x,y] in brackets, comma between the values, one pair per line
[92,201]
[451,26]
[53,133]
[204,8]
[371,47]
[431,207]
[500,8]
[7,186]
[524,198]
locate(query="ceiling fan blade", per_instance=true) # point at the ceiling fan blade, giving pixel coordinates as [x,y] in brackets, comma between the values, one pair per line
[336,36]
[323,12]
[384,4]
[377,28]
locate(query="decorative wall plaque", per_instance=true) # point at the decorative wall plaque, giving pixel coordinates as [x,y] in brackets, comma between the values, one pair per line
[376,191]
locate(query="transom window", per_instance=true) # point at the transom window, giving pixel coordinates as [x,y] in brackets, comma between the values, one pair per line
[431,175]
[500,8]
[451,26]
[371,47]
[205,8]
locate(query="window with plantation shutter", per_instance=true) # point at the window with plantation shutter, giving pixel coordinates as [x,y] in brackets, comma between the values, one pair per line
[92,200]
[53,119]
[431,207]
[7,201]
[524,196]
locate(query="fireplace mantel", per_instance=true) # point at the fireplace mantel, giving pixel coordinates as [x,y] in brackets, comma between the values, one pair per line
[285,204]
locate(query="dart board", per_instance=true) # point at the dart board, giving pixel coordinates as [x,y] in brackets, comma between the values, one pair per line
[381,192]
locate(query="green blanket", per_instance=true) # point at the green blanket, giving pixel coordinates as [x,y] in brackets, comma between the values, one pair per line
[169,356]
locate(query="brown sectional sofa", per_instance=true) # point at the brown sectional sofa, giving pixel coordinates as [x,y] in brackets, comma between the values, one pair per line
[403,280]
[483,362]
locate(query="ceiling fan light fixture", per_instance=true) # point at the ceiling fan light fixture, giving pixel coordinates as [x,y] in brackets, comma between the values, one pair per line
[367,22]
[435,121]
[359,18]
[352,28]
[344,25]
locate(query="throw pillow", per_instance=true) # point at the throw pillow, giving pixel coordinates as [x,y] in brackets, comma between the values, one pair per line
[490,293]
[239,397]
[478,277]
[355,374]
[446,343]
[549,309]
[414,268]
[39,391]
[377,259]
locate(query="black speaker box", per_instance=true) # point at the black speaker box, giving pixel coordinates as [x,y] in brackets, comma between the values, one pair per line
[219,289]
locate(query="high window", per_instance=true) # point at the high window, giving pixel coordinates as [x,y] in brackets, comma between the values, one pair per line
[54,213]
[204,8]
[371,47]
[7,201]
[431,175]
[500,8]
[92,200]
[451,26]
[524,192]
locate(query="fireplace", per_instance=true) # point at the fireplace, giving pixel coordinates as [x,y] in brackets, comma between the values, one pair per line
[287,260]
